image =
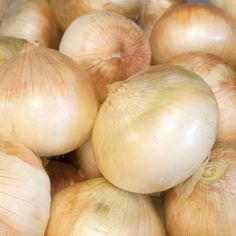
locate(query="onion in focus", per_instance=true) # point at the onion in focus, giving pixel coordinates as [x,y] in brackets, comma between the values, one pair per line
[155,129]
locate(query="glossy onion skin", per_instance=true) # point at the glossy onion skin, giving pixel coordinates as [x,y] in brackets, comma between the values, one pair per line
[194,28]
[210,210]
[155,129]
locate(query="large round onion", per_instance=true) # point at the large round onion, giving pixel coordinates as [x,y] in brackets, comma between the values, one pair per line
[46,101]
[210,209]
[222,80]
[108,46]
[194,28]
[155,129]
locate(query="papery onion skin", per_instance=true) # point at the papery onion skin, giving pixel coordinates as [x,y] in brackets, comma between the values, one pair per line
[25,191]
[221,77]
[194,28]
[33,21]
[95,207]
[155,129]
[46,100]
[108,46]
[61,176]
[67,11]
[210,209]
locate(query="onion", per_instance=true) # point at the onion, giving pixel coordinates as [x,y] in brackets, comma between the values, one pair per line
[86,161]
[9,46]
[155,129]
[46,101]
[31,20]
[25,191]
[61,176]
[108,46]
[194,28]
[222,80]
[210,209]
[68,11]
[5,4]
[95,207]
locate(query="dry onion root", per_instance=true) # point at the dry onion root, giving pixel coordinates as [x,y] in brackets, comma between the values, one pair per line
[210,209]
[108,46]
[194,28]
[95,207]
[25,191]
[155,129]
[47,102]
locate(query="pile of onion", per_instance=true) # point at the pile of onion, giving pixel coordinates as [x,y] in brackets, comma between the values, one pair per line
[155,129]
[46,101]
[95,207]
[207,208]
[194,28]
[108,46]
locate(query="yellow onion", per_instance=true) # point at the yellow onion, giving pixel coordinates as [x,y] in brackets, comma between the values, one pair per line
[61,176]
[222,80]
[210,208]
[68,11]
[5,5]
[46,101]
[155,129]
[85,159]
[9,46]
[108,46]
[194,28]
[31,20]
[97,208]
[153,11]
[25,191]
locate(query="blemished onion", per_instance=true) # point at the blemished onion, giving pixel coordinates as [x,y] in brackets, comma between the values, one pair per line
[95,207]
[194,28]
[85,158]
[154,10]
[25,191]
[47,102]
[32,20]
[209,209]
[228,6]
[155,129]
[61,176]
[67,11]
[110,47]
[221,77]
[10,46]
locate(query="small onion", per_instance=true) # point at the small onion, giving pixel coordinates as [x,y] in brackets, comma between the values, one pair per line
[108,46]
[210,208]
[25,191]
[155,129]
[46,101]
[222,80]
[61,176]
[67,11]
[95,207]
[85,158]
[31,20]
[194,28]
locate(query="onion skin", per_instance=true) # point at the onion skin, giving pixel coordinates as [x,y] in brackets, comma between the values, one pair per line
[143,117]
[108,46]
[47,101]
[211,208]
[33,21]
[25,191]
[194,28]
[95,207]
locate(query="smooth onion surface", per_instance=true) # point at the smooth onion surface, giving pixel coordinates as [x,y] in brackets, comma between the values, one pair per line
[194,28]
[210,209]
[155,129]
[97,208]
